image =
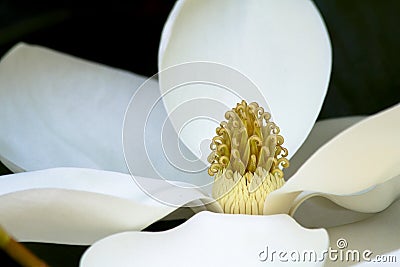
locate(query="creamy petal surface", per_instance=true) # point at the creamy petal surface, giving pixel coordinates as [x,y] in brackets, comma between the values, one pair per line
[60,111]
[210,239]
[352,169]
[379,234]
[281,46]
[321,133]
[80,206]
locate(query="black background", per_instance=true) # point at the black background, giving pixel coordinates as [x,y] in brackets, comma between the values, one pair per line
[365,37]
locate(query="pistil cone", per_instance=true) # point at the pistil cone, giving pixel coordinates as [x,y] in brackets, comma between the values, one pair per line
[247,159]
[18,252]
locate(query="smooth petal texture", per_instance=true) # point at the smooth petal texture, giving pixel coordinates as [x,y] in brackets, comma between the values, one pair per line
[321,212]
[209,239]
[281,46]
[60,111]
[151,142]
[352,168]
[80,206]
[380,234]
[328,210]
[322,132]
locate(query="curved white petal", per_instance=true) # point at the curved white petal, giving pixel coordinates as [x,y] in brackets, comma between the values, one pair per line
[151,142]
[358,169]
[321,212]
[322,132]
[80,206]
[65,111]
[328,210]
[210,239]
[379,234]
[282,46]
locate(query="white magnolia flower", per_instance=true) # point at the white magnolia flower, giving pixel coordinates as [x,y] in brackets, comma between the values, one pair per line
[62,118]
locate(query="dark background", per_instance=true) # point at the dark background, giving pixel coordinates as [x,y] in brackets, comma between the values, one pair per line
[365,36]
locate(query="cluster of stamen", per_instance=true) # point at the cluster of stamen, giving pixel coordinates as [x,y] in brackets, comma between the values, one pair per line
[247,159]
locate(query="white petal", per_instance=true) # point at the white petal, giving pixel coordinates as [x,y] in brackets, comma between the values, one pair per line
[80,206]
[380,234]
[321,212]
[358,169]
[209,239]
[328,210]
[322,132]
[151,142]
[61,111]
[281,46]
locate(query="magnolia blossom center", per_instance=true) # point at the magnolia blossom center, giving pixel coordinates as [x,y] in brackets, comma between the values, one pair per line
[247,159]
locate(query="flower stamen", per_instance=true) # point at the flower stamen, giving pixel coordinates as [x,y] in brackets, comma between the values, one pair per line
[247,159]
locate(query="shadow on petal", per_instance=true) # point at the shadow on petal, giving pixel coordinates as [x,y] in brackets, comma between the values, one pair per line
[322,132]
[380,234]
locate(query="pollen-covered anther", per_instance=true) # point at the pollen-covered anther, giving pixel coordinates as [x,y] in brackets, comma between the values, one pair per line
[247,159]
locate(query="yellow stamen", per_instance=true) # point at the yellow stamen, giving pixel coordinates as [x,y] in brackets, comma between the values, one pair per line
[247,159]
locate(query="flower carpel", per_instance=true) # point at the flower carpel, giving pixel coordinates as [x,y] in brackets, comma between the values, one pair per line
[247,159]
